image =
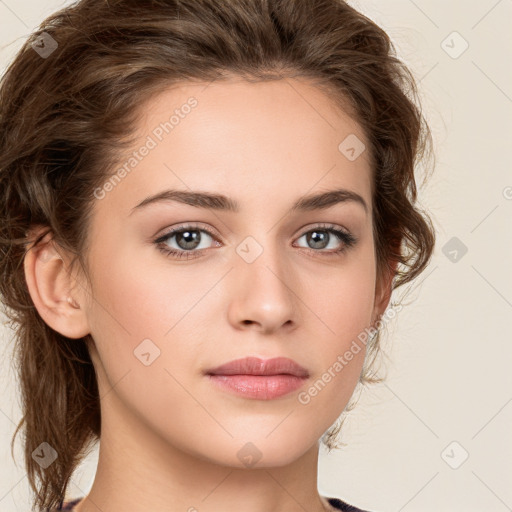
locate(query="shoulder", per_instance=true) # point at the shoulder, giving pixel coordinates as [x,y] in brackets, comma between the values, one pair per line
[344,506]
[67,505]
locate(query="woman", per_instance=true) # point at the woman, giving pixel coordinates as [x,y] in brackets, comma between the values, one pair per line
[206,208]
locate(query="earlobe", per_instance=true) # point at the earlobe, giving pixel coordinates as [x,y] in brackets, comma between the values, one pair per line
[49,284]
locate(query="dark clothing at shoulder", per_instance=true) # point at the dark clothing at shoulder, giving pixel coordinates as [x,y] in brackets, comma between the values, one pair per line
[335,502]
[342,505]
[67,505]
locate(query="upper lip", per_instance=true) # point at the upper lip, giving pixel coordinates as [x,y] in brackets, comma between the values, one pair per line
[257,366]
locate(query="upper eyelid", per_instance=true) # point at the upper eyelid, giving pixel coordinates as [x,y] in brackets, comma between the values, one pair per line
[184,227]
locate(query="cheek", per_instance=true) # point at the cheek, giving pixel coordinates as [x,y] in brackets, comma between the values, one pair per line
[344,304]
[140,308]
[343,298]
[136,298]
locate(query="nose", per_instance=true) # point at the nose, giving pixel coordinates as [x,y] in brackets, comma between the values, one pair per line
[262,296]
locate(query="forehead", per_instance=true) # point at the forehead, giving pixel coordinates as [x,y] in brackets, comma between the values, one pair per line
[242,139]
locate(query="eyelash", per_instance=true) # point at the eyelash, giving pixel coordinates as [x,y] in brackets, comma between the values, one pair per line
[347,238]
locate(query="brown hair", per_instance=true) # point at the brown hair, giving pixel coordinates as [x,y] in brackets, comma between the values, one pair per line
[65,117]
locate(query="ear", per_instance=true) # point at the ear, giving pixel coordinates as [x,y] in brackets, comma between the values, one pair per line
[50,286]
[383,292]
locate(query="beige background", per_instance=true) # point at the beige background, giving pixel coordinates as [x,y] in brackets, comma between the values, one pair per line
[449,387]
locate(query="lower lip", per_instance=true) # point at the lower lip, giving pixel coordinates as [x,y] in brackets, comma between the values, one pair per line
[260,387]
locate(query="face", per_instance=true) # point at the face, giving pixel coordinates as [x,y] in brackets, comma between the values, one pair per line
[263,279]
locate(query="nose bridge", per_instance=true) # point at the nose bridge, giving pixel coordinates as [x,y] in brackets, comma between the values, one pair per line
[264,281]
[263,258]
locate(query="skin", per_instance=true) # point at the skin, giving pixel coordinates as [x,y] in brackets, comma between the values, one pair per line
[169,438]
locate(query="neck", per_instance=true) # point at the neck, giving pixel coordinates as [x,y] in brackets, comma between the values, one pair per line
[139,470]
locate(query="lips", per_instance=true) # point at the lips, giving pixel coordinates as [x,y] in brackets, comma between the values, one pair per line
[257,366]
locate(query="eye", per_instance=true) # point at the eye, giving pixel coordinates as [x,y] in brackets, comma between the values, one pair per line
[189,238]
[321,236]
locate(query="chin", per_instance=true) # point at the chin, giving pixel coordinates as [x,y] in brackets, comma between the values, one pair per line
[260,452]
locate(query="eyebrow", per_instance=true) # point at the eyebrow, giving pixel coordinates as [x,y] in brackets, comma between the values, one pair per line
[320,201]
